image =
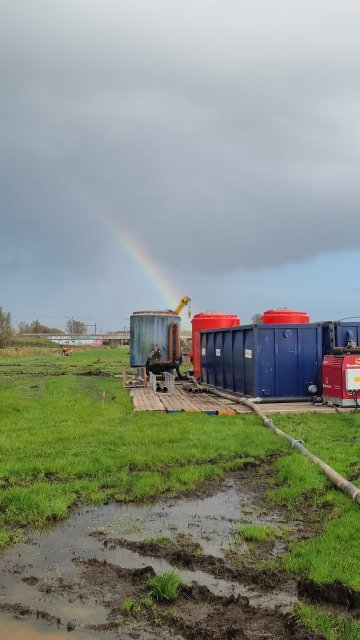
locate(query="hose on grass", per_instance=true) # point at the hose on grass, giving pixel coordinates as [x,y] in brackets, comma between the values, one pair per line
[338,480]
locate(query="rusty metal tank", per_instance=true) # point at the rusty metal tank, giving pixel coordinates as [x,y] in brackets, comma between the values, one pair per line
[155,340]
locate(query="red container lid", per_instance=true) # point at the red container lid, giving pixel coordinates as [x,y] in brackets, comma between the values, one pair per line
[214,320]
[285,316]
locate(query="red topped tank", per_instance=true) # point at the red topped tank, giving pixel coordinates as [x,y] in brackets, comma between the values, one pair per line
[202,322]
[285,316]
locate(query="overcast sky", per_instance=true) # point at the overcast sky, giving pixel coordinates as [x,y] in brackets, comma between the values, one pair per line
[223,136]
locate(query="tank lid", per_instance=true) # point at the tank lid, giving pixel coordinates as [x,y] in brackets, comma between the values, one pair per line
[214,314]
[285,316]
[154,313]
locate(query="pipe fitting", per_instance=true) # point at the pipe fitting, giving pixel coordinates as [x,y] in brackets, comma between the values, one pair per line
[297,442]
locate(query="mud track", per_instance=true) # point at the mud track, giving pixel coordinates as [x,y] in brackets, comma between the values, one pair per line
[76,576]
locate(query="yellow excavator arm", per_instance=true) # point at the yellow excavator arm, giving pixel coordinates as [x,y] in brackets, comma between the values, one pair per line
[182,304]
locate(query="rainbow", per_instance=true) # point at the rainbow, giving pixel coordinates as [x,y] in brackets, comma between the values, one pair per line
[152,269]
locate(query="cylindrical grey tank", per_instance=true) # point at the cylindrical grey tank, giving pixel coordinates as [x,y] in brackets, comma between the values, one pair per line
[155,340]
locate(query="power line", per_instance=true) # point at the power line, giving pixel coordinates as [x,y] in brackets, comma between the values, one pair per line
[348,318]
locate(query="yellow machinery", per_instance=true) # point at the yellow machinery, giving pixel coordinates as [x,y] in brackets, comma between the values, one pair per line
[182,304]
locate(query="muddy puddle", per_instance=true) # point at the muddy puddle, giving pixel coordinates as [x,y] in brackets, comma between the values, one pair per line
[76,576]
[24,629]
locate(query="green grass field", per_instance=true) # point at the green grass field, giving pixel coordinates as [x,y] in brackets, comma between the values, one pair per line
[63,442]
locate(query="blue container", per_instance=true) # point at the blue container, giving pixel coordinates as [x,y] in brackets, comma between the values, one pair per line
[149,329]
[338,334]
[267,361]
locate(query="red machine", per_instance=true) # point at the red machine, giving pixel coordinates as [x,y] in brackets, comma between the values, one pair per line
[341,379]
[203,321]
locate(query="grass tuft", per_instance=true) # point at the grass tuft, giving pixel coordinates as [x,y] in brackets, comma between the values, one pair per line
[165,586]
[257,532]
[129,607]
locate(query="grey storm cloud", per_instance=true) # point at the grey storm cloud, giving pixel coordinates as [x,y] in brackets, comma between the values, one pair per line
[223,135]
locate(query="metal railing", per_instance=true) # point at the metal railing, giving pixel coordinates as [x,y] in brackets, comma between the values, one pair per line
[167,386]
[170,382]
[152,382]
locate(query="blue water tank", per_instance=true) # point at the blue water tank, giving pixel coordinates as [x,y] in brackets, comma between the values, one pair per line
[267,361]
[155,340]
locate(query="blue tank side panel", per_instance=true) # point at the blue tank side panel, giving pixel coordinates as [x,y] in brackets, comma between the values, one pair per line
[287,362]
[219,355]
[228,367]
[310,359]
[207,358]
[274,361]
[266,370]
[250,362]
[290,359]
[204,376]
[210,358]
[238,362]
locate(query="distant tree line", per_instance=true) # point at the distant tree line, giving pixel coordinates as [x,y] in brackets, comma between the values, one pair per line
[7,331]
[36,327]
[73,327]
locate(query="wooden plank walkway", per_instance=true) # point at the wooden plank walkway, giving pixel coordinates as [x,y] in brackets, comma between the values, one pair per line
[144,399]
